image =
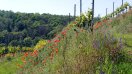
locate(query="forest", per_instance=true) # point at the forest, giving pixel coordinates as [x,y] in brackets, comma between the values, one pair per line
[26,29]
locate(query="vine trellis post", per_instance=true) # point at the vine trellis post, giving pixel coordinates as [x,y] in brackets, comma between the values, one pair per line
[122,2]
[92,23]
[80,10]
[74,11]
[106,12]
[113,9]
[69,17]
[122,5]
[80,7]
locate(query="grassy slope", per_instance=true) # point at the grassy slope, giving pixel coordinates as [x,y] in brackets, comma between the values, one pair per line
[80,52]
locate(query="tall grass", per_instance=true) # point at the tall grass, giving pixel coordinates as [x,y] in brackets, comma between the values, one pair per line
[75,51]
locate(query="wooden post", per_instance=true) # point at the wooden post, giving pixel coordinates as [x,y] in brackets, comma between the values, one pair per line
[80,7]
[122,2]
[113,8]
[69,18]
[80,11]
[92,23]
[122,5]
[106,11]
[74,11]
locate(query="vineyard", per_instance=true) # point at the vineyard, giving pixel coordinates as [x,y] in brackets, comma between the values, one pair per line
[77,49]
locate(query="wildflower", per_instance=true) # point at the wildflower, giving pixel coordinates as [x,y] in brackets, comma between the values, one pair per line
[40,44]
[56,50]
[23,58]
[26,54]
[98,25]
[63,33]
[35,53]
[44,61]
[56,41]
[59,37]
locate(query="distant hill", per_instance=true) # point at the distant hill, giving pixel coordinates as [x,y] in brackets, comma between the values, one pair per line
[26,29]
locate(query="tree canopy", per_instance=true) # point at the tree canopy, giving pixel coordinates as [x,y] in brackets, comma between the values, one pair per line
[26,29]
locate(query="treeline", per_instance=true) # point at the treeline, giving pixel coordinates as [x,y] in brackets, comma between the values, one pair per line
[26,29]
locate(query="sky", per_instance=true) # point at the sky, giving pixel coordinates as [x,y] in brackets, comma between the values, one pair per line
[59,7]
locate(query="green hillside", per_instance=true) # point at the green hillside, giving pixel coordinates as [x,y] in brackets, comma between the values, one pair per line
[26,29]
[108,50]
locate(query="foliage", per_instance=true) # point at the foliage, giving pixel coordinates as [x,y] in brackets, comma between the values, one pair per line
[23,29]
[117,11]
[40,44]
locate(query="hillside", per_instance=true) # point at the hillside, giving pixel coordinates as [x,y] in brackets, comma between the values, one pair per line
[75,51]
[26,29]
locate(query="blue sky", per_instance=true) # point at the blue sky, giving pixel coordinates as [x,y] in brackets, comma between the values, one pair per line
[61,7]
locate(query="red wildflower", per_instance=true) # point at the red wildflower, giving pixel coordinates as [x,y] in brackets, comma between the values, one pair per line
[26,54]
[35,53]
[44,61]
[56,50]
[97,25]
[23,60]
[56,41]
[63,33]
